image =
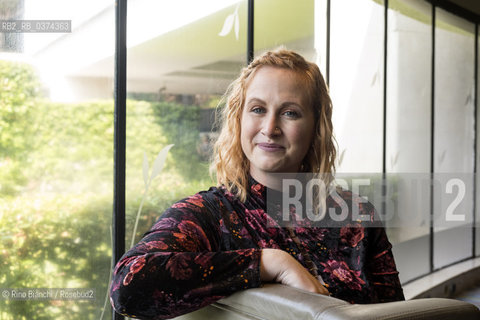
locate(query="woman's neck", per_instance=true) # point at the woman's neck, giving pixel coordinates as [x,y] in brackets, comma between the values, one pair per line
[273,181]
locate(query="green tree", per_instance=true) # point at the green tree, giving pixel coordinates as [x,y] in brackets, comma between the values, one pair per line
[55,233]
[55,242]
[19,91]
[179,124]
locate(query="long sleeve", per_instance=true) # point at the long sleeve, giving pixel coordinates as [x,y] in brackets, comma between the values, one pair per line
[381,269]
[181,265]
[358,262]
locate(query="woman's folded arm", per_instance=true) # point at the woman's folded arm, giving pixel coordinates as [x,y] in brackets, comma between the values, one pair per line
[180,265]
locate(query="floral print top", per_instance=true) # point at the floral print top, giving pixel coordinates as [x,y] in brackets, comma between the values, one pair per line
[208,246]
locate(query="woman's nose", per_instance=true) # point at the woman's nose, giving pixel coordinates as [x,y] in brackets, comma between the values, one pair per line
[271,127]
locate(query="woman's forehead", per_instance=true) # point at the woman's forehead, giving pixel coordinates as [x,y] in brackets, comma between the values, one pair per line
[292,82]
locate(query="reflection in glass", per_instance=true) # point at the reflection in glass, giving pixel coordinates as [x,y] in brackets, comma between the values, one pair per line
[477,177]
[304,32]
[180,63]
[280,28]
[356,83]
[454,125]
[320,36]
[409,127]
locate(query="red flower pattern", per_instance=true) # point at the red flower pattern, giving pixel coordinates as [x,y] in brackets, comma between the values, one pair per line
[352,234]
[340,271]
[156,245]
[179,266]
[137,265]
[191,236]
[257,189]
[196,200]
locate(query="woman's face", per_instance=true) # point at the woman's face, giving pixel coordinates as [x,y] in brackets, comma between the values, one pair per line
[277,122]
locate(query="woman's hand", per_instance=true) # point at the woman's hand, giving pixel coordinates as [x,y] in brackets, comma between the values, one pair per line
[279,266]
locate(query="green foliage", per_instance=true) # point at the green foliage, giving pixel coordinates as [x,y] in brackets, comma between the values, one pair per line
[53,241]
[144,135]
[56,183]
[12,177]
[19,89]
[180,126]
[73,144]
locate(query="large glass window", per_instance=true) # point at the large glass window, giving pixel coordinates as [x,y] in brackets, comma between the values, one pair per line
[56,147]
[180,63]
[356,83]
[408,132]
[280,28]
[305,31]
[477,177]
[454,130]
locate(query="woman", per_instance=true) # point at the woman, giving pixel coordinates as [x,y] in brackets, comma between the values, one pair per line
[277,119]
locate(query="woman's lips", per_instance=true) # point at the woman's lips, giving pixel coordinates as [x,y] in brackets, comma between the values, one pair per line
[271,147]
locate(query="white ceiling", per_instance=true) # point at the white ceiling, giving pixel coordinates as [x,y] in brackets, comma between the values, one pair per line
[191,59]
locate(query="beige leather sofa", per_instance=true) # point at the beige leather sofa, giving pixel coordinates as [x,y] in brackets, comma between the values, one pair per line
[277,302]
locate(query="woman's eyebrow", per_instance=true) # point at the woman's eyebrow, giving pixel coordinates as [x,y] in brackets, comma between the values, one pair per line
[285,103]
[293,103]
[254,99]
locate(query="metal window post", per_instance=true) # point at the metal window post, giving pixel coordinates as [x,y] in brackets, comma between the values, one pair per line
[120,113]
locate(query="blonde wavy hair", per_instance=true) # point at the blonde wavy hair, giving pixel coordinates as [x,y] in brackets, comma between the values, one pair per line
[230,164]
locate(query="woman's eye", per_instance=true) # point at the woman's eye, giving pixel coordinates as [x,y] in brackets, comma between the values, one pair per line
[257,110]
[291,114]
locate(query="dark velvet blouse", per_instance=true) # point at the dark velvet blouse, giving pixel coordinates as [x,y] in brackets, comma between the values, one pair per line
[208,246]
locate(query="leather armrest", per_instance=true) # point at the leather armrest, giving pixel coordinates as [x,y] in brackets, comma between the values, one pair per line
[277,302]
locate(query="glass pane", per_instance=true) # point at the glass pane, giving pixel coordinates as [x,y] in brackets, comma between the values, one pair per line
[280,28]
[408,129]
[356,83]
[304,32]
[454,128]
[176,77]
[477,177]
[320,35]
[56,167]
